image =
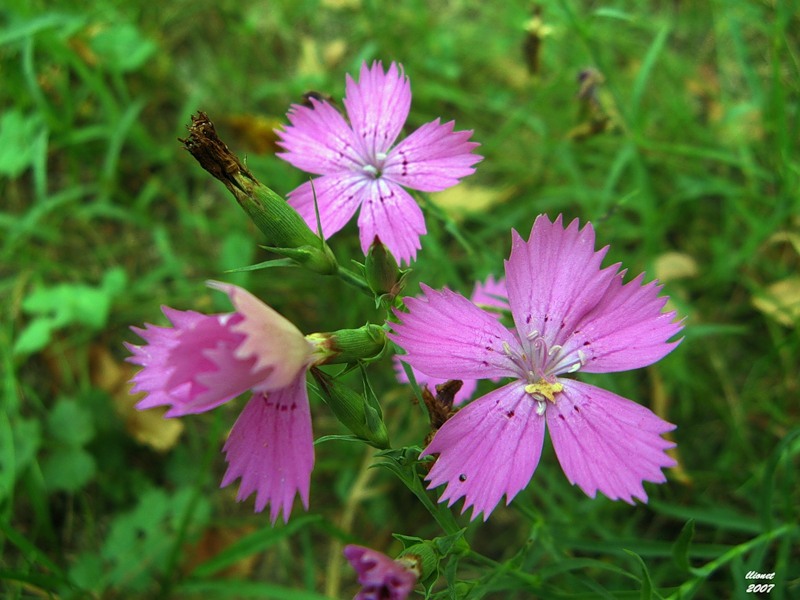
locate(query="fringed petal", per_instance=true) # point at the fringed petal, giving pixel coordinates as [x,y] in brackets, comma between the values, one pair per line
[488,449]
[271,449]
[607,443]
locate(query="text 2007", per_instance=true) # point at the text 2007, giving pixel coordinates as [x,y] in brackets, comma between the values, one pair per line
[760,587]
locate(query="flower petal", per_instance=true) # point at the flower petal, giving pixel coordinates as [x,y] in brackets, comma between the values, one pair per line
[627,329]
[191,367]
[271,449]
[488,449]
[554,278]
[468,386]
[445,335]
[269,337]
[338,197]
[378,106]
[608,443]
[319,140]
[491,293]
[390,213]
[380,576]
[433,158]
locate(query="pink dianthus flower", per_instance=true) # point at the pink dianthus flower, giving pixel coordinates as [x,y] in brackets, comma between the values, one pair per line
[203,361]
[381,578]
[570,315]
[360,165]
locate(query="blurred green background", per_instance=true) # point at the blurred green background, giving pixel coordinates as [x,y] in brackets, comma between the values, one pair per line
[672,126]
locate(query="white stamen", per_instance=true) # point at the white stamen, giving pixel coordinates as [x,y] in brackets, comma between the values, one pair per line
[506,349]
[533,334]
[381,156]
[372,170]
[554,349]
[541,407]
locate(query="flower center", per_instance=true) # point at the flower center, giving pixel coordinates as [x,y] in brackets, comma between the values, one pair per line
[544,390]
[371,170]
[374,168]
[553,360]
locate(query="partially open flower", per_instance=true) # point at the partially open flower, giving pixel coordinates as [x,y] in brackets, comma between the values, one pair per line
[206,360]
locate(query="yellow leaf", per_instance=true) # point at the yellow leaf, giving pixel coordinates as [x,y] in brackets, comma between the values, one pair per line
[309,64]
[675,265]
[341,4]
[781,301]
[465,199]
[148,427]
[256,132]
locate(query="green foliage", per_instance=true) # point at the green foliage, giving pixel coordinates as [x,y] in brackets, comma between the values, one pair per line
[690,146]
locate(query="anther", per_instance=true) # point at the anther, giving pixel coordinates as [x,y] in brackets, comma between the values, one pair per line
[543,390]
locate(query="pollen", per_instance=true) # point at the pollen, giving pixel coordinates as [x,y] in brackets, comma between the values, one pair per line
[544,390]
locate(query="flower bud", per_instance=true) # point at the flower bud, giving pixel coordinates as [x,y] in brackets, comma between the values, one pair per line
[383,275]
[355,412]
[420,558]
[348,345]
[286,232]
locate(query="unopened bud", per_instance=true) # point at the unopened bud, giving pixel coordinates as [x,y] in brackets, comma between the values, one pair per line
[383,275]
[420,558]
[286,232]
[348,345]
[353,410]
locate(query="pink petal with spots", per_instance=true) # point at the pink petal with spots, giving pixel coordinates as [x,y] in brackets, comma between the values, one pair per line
[554,279]
[377,106]
[488,449]
[338,197]
[433,158]
[607,443]
[390,213]
[447,336]
[271,449]
[319,140]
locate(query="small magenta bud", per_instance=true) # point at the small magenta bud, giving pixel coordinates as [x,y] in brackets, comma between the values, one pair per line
[361,417]
[382,273]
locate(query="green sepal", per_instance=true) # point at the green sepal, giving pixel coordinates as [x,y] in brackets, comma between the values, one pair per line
[353,410]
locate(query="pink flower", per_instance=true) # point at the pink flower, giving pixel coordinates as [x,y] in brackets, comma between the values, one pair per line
[489,294]
[570,315]
[361,168]
[203,361]
[381,577]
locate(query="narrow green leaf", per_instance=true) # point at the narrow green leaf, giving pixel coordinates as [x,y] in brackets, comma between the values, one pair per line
[647,583]
[680,551]
[252,544]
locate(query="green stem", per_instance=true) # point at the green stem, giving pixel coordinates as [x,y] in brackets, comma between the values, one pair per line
[353,279]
